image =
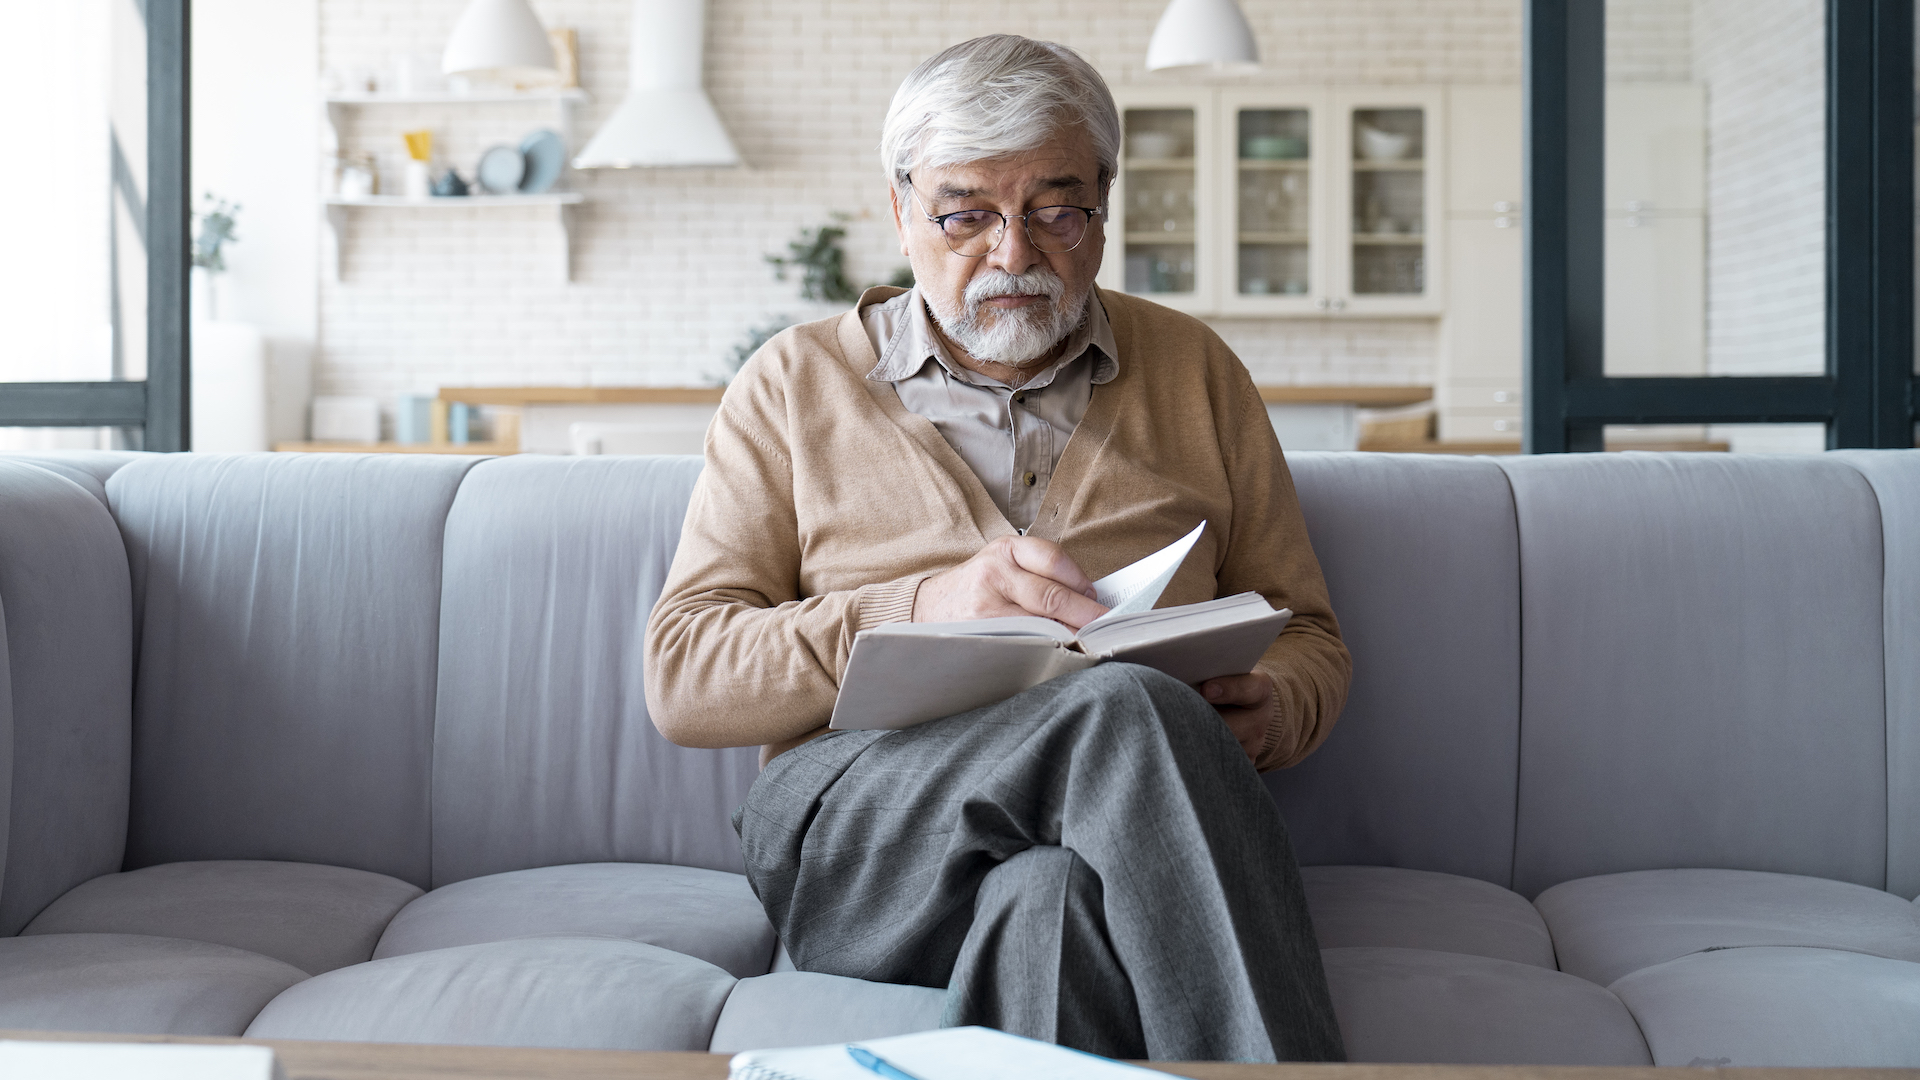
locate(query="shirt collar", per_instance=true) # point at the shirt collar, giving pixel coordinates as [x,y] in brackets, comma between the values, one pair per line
[910,342]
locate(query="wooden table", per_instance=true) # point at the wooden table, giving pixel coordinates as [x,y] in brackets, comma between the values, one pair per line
[377,1061]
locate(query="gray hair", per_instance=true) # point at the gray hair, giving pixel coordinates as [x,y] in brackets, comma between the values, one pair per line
[993,96]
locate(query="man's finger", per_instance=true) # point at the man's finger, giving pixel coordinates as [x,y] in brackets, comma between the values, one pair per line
[1048,597]
[1050,560]
[1237,690]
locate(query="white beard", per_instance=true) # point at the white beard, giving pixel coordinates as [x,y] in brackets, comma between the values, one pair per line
[1016,337]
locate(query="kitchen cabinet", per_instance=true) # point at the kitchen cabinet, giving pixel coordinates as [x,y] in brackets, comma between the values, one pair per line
[1279,201]
[1655,248]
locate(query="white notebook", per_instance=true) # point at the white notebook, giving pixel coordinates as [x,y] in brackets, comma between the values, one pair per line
[968,1053]
[902,674]
[29,1060]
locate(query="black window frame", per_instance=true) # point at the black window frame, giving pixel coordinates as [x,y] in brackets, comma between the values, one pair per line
[1867,395]
[161,404]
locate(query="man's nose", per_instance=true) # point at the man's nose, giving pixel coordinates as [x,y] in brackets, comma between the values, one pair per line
[1016,253]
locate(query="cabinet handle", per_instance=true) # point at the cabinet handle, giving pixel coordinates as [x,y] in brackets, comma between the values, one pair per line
[1503,396]
[1503,223]
[1633,222]
[1503,207]
[1634,206]
[1320,303]
[1339,304]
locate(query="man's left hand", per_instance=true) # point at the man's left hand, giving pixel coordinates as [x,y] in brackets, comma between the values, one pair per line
[1245,702]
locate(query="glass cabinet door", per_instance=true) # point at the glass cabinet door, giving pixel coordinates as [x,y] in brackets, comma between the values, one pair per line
[1160,202]
[1273,184]
[1389,203]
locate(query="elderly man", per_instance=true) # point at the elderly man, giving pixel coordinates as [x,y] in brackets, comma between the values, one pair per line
[1094,861]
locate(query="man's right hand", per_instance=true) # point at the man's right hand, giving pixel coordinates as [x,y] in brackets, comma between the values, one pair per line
[1014,575]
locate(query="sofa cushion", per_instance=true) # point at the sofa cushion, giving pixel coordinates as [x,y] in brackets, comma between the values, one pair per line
[708,914]
[1895,478]
[1418,1005]
[1419,909]
[88,468]
[1605,927]
[134,985]
[802,1008]
[1704,667]
[1778,1007]
[543,751]
[316,918]
[287,608]
[1421,564]
[583,992]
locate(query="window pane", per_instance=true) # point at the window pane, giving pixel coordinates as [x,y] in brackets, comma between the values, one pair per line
[1716,187]
[1274,177]
[73,98]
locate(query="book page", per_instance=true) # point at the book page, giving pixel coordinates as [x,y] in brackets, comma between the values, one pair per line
[1138,587]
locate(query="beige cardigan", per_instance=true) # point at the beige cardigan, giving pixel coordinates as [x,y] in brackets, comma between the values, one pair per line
[824,504]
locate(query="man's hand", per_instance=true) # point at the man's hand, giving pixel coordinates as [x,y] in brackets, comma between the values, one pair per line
[1245,702]
[1014,575]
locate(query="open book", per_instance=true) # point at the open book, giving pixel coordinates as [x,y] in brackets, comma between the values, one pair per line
[902,674]
[968,1053]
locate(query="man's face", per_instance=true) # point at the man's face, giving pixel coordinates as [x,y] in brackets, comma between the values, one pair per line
[1014,304]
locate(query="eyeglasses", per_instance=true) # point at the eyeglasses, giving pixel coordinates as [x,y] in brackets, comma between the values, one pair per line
[973,234]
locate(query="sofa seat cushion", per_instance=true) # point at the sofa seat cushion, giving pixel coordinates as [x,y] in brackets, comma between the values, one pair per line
[316,918]
[588,993]
[1420,1005]
[1779,1007]
[804,1008]
[1605,927]
[134,985]
[1384,906]
[709,914]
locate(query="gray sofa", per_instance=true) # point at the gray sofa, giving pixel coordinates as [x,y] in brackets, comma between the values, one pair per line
[355,747]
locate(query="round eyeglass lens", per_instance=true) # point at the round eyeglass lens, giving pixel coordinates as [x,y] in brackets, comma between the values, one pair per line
[1055,229]
[973,232]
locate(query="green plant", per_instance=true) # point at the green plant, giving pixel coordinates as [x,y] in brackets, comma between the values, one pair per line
[216,232]
[822,263]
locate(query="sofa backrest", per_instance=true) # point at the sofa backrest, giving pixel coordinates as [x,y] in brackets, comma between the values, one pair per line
[66,688]
[287,608]
[431,667]
[543,749]
[1702,667]
[1421,560]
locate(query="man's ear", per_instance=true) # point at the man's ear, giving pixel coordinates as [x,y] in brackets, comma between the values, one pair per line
[899,224]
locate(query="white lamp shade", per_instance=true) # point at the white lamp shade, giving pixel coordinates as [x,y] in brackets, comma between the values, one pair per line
[1202,33]
[665,119]
[502,39]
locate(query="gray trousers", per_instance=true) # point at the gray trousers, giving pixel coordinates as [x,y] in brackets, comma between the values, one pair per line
[1092,862]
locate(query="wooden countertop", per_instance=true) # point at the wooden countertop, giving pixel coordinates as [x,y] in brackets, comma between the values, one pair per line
[1371,396]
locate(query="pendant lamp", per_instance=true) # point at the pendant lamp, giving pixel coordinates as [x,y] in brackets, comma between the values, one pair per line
[502,40]
[665,120]
[1202,33]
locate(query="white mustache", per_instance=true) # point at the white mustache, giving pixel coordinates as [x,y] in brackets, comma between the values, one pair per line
[992,284]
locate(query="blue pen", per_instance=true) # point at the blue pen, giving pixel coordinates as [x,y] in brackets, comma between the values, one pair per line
[873,1062]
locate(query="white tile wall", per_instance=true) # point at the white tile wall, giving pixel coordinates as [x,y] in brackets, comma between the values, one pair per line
[669,269]
[1765,70]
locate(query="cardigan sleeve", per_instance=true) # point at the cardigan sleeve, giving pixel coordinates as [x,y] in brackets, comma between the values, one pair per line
[1268,552]
[735,655]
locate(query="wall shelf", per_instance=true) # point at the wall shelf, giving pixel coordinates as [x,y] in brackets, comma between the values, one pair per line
[564,204]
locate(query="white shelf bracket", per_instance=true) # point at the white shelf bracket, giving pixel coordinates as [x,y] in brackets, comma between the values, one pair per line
[567,212]
[337,251]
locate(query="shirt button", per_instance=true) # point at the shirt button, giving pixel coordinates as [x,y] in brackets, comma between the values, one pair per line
[1029,479]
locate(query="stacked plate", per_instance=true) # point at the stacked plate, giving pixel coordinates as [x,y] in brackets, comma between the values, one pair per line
[528,169]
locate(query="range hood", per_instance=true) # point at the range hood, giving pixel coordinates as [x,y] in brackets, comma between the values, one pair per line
[665,120]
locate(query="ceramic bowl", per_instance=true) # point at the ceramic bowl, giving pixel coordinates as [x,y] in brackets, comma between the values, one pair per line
[1377,145]
[1153,145]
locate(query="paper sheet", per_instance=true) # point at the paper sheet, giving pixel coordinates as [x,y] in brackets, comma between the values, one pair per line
[1138,587]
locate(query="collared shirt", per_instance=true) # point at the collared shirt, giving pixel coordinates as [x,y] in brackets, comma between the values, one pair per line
[1011,437]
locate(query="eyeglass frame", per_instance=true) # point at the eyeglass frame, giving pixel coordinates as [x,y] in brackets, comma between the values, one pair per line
[940,223]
